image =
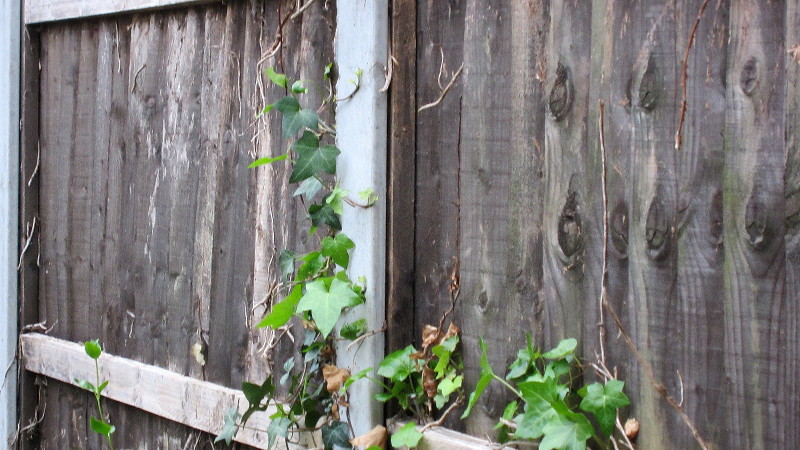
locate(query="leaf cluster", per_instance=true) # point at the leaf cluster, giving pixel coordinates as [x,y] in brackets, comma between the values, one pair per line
[548,407]
[99,425]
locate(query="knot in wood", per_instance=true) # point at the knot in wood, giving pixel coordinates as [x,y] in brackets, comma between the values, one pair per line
[570,235]
[715,223]
[561,93]
[757,227]
[658,231]
[648,88]
[748,80]
[618,223]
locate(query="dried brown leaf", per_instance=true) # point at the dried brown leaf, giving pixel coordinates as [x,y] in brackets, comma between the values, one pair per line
[334,377]
[452,330]
[430,336]
[632,428]
[429,382]
[376,436]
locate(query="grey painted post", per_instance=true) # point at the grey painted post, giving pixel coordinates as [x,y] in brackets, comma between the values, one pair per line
[9,169]
[362,43]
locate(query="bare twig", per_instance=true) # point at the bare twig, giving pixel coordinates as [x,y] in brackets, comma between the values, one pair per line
[680,381]
[684,76]
[388,73]
[300,8]
[36,167]
[361,338]
[39,326]
[436,423]
[31,228]
[621,429]
[601,326]
[444,91]
[455,290]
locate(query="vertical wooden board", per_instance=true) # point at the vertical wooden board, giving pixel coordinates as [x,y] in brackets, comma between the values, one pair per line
[529,34]
[440,43]
[696,336]
[401,226]
[484,205]
[28,282]
[613,56]
[754,230]
[571,261]
[789,342]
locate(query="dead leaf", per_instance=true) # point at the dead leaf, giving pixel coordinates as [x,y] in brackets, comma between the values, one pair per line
[417,356]
[430,336]
[334,376]
[632,428]
[335,411]
[376,436]
[452,330]
[429,382]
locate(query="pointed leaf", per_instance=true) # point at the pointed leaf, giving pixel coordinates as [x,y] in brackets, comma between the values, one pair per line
[278,427]
[320,214]
[295,118]
[267,160]
[277,78]
[354,330]
[336,434]
[564,348]
[308,188]
[100,427]
[326,304]
[486,376]
[93,348]
[603,402]
[338,248]
[570,431]
[85,385]
[286,263]
[229,427]
[311,158]
[283,311]
[407,436]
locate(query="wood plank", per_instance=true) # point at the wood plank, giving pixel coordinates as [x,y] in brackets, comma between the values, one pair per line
[195,403]
[754,227]
[440,438]
[29,223]
[402,177]
[10,66]
[40,11]
[789,366]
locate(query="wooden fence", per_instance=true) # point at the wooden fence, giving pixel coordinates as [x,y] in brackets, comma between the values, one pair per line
[703,262]
[150,234]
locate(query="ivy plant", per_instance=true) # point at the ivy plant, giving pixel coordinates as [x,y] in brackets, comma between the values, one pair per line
[100,424]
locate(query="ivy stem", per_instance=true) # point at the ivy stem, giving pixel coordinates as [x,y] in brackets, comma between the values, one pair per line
[508,385]
[99,405]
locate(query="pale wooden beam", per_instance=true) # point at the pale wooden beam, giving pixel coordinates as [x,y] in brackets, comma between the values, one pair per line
[40,11]
[194,403]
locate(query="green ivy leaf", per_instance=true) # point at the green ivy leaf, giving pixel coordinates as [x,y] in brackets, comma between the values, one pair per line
[326,304]
[564,348]
[603,402]
[357,376]
[486,376]
[539,397]
[277,78]
[407,436]
[298,87]
[508,414]
[267,160]
[313,262]
[337,248]
[368,196]
[255,393]
[336,199]
[83,384]
[526,358]
[320,214]
[398,365]
[229,427]
[294,117]
[326,74]
[569,431]
[100,427]
[354,330]
[308,188]
[93,348]
[311,158]
[449,385]
[336,434]
[278,426]
[283,311]
[102,387]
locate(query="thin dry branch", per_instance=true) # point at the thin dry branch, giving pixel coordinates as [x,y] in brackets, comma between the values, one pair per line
[684,76]
[459,401]
[444,91]
[601,326]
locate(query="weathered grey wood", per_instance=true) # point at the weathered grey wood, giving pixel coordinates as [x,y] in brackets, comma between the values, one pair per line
[402,179]
[754,230]
[39,11]
[10,63]
[197,404]
[790,336]
[29,223]
[571,261]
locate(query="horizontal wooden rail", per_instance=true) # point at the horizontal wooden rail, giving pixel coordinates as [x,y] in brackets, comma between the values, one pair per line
[194,403]
[439,438]
[40,11]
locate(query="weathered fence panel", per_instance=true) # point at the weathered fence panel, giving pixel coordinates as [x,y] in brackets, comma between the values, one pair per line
[155,237]
[701,240]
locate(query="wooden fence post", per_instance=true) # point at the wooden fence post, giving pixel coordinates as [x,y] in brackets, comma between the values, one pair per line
[362,44]
[9,168]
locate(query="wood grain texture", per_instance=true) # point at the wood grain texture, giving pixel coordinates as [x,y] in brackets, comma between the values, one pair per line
[40,11]
[186,400]
[754,230]
[156,231]
[402,177]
